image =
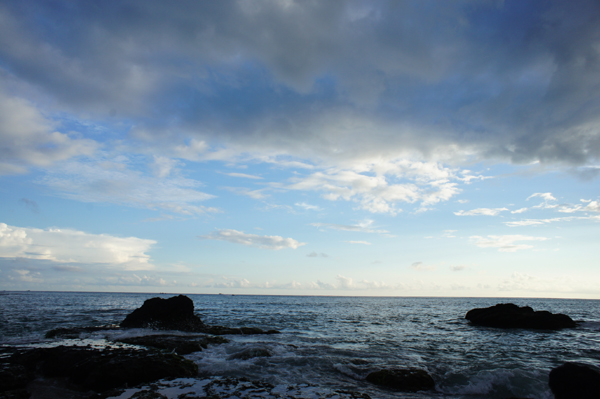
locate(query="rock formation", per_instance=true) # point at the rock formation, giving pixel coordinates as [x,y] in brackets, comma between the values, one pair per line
[408,380]
[573,380]
[508,315]
[175,313]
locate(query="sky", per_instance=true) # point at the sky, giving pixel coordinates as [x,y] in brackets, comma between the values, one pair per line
[397,148]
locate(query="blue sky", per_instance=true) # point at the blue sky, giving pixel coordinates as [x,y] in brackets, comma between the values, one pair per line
[404,148]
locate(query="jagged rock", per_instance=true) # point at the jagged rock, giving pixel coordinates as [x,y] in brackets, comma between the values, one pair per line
[508,315]
[101,370]
[409,380]
[573,380]
[182,345]
[250,353]
[175,313]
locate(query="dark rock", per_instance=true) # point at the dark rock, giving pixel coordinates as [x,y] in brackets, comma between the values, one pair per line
[573,380]
[15,394]
[250,353]
[13,377]
[508,315]
[182,345]
[101,370]
[410,380]
[175,313]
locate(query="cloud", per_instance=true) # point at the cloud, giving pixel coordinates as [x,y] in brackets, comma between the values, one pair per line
[422,266]
[544,196]
[254,240]
[481,211]
[361,227]
[114,181]
[505,243]
[458,268]
[243,175]
[73,246]
[372,184]
[359,242]
[313,254]
[30,204]
[255,194]
[308,207]
[447,90]
[344,282]
[534,222]
[28,139]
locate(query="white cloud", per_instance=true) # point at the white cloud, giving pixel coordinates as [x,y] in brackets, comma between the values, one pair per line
[254,240]
[458,268]
[481,212]
[344,282]
[422,266]
[73,246]
[373,185]
[359,242]
[113,181]
[255,194]
[163,166]
[505,243]
[29,139]
[544,196]
[521,210]
[534,222]
[308,207]
[593,206]
[243,175]
[361,227]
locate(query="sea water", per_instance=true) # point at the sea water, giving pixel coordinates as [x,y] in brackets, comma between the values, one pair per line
[332,343]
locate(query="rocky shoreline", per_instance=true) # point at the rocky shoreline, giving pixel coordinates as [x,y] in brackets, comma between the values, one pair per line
[149,362]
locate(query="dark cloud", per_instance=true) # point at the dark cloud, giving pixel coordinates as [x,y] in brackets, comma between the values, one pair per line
[30,204]
[514,80]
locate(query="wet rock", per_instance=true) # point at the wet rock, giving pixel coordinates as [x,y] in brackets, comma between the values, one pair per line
[408,380]
[250,353]
[13,377]
[573,380]
[182,345]
[15,394]
[508,315]
[101,370]
[175,313]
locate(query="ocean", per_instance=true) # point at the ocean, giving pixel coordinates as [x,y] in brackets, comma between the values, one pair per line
[330,344]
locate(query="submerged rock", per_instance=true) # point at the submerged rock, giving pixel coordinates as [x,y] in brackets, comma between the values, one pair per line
[573,380]
[508,315]
[410,379]
[101,370]
[182,345]
[250,353]
[75,332]
[219,330]
[175,313]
